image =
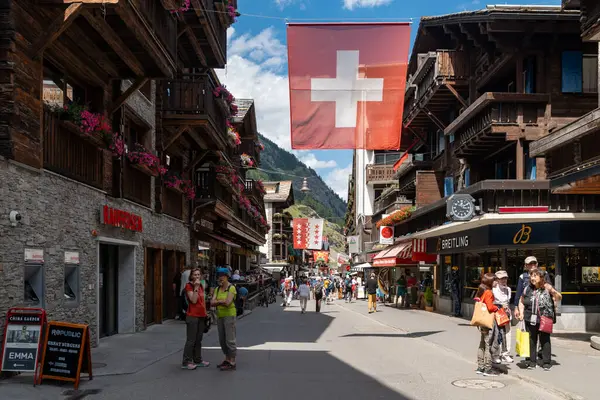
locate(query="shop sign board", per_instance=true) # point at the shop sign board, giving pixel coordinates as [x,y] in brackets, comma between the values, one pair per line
[34,255]
[71,257]
[121,219]
[66,352]
[22,333]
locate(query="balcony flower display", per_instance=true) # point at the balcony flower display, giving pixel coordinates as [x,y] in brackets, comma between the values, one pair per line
[396,216]
[234,137]
[247,161]
[187,187]
[145,160]
[185,6]
[117,146]
[172,180]
[222,93]
[232,13]
[260,146]
[261,187]
[244,202]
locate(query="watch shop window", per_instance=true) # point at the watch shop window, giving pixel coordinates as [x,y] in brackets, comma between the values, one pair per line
[580,270]
[478,264]
[137,177]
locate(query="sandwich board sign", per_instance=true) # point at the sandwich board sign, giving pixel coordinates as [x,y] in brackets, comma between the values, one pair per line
[66,353]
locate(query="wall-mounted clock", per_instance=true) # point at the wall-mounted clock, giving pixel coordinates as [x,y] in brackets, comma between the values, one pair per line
[460,207]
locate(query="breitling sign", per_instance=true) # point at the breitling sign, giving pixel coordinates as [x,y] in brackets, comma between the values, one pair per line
[454,243]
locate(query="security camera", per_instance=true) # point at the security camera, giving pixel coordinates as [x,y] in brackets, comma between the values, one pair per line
[15,217]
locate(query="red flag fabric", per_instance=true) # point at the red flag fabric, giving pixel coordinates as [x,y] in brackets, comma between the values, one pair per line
[347,84]
[300,230]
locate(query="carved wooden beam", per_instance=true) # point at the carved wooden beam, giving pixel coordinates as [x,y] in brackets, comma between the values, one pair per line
[77,35]
[115,42]
[195,45]
[56,28]
[179,132]
[457,95]
[196,160]
[135,86]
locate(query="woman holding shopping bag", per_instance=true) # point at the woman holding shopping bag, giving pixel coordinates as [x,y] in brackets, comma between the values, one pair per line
[488,343]
[536,310]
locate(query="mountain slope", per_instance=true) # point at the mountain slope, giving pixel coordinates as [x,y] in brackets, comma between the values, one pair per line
[324,201]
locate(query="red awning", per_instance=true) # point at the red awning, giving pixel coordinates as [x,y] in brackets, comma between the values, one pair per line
[393,256]
[419,252]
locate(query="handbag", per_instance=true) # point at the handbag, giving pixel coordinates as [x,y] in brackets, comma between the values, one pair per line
[522,342]
[501,317]
[546,324]
[482,317]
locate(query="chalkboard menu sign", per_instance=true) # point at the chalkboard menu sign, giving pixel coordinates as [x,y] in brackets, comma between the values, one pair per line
[66,352]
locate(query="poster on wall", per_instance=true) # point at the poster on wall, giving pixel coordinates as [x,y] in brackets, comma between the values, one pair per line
[590,275]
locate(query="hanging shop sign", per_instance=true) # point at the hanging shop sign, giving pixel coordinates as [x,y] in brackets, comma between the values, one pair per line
[207,224]
[121,219]
[71,257]
[34,255]
[386,235]
[66,352]
[22,333]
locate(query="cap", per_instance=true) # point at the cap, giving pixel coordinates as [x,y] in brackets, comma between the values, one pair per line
[531,259]
[222,271]
[501,274]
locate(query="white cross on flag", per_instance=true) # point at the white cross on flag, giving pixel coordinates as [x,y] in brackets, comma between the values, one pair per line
[315,234]
[347,84]
[300,230]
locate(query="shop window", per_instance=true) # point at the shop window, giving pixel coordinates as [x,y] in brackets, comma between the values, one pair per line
[33,285]
[580,272]
[71,284]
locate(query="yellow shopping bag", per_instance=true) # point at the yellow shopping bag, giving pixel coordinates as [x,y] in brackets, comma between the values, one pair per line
[522,346]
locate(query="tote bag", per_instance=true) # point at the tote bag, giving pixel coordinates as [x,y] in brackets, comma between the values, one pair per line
[502,318]
[522,343]
[482,317]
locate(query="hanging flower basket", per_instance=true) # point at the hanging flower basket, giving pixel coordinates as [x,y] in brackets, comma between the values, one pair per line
[145,161]
[247,161]
[176,6]
[187,187]
[261,187]
[260,146]
[396,216]
[233,136]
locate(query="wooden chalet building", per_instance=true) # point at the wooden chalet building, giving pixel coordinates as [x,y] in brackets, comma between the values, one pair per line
[107,111]
[482,86]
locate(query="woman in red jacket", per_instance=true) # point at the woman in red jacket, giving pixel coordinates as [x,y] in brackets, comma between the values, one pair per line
[488,345]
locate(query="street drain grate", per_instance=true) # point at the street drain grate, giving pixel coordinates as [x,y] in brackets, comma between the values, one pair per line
[98,365]
[478,384]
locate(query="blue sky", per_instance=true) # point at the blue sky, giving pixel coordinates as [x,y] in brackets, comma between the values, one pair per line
[257,60]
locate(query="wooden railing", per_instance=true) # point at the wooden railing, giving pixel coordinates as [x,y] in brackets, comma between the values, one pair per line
[194,97]
[68,153]
[162,22]
[380,173]
[172,203]
[251,189]
[208,188]
[137,186]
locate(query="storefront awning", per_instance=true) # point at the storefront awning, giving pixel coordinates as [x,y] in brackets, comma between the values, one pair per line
[271,269]
[227,242]
[397,254]
[361,267]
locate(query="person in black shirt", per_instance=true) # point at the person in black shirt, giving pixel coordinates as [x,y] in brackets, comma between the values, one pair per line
[372,293]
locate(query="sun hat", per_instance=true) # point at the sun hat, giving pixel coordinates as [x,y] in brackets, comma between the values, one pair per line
[501,274]
[531,259]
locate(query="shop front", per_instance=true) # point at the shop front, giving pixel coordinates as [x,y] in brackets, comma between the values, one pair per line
[568,250]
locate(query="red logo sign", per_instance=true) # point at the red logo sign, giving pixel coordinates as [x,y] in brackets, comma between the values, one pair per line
[347,92]
[387,232]
[121,219]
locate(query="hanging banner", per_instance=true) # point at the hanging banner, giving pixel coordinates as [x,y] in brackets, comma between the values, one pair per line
[386,235]
[315,234]
[347,92]
[321,256]
[353,244]
[343,259]
[300,230]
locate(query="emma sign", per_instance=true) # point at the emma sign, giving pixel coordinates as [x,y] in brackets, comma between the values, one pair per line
[121,219]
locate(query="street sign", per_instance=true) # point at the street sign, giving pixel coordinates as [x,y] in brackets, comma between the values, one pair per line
[21,345]
[66,352]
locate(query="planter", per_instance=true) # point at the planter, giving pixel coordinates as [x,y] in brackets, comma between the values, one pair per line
[144,168]
[175,189]
[72,127]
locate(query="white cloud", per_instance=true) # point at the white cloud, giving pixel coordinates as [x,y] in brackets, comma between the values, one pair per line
[255,70]
[337,180]
[311,161]
[284,3]
[351,4]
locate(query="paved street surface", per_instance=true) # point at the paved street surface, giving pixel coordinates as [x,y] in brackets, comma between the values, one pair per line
[342,352]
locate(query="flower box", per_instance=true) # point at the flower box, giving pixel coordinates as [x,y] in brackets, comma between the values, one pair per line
[175,189]
[93,139]
[144,168]
[222,103]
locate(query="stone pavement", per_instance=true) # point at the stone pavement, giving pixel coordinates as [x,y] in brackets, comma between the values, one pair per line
[339,353]
[576,363]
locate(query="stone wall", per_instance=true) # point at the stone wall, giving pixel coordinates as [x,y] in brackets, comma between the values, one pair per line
[59,214]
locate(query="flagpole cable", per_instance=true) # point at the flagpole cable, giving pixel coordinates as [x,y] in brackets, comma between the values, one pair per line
[287,20]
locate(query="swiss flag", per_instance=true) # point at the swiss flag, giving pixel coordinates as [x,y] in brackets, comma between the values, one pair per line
[347,84]
[300,230]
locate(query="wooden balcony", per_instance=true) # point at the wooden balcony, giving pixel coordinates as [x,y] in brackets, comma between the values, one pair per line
[251,189]
[440,78]
[68,153]
[380,174]
[172,203]
[248,146]
[498,117]
[590,20]
[189,104]
[137,185]
[207,38]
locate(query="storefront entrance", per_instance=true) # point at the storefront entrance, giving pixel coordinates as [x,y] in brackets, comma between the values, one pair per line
[162,268]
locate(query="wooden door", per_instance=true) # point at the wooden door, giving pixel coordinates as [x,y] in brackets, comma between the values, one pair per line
[169,301]
[157,286]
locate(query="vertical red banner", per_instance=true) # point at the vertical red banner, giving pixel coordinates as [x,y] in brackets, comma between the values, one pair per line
[300,230]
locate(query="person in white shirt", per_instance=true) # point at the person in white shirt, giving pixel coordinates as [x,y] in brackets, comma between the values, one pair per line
[236,276]
[304,294]
[502,295]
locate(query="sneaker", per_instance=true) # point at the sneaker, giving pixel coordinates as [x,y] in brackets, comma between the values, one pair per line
[496,361]
[228,367]
[189,366]
[507,359]
[491,372]
[202,364]
[532,365]
[479,371]
[547,367]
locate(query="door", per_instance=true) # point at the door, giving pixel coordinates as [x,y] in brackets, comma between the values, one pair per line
[169,270]
[109,294]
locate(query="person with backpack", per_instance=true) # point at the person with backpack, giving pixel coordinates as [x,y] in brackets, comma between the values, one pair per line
[319,289]
[240,300]
[348,285]
[530,262]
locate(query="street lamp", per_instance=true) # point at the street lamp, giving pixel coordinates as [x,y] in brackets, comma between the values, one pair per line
[305,187]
